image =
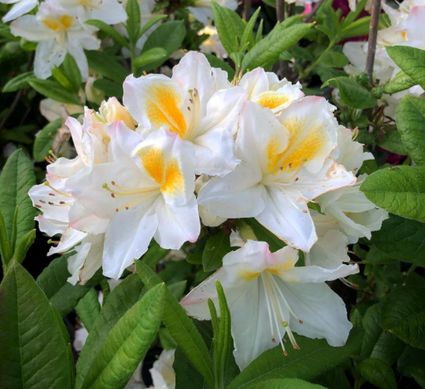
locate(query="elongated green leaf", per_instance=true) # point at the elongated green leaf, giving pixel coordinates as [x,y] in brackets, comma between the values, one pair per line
[392,142]
[168,36]
[44,140]
[268,49]
[155,19]
[33,351]
[411,60]
[88,308]
[378,372]
[72,71]
[403,314]
[19,82]
[230,27]
[110,88]
[127,343]
[410,364]
[54,91]
[316,354]
[62,79]
[16,180]
[186,374]
[410,116]
[263,234]
[400,82]
[133,21]
[121,299]
[63,295]
[23,245]
[357,28]
[180,327]
[106,65]
[155,254]
[399,190]
[333,59]
[285,383]
[150,56]
[402,239]
[107,29]
[353,94]
[215,249]
[248,35]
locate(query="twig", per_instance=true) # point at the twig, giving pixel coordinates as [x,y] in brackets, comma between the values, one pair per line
[246,8]
[314,10]
[280,10]
[373,35]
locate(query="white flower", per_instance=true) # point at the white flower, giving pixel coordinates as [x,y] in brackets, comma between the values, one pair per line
[267,90]
[212,44]
[207,218]
[201,9]
[146,190]
[268,296]
[52,109]
[20,8]
[284,166]
[107,11]
[58,33]
[197,103]
[162,372]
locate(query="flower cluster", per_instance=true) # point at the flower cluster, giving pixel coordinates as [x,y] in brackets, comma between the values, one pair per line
[195,146]
[404,30]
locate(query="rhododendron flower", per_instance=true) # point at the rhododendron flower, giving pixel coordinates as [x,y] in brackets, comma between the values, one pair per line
[107,11]
[146,190]
[192,105]
[284,166]
[201,9]
[162,372]
[212,44]
[267,90]
[268,296]
[58,32]
[21,7]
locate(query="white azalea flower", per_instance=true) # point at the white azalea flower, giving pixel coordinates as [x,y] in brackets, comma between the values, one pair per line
[201,9]
[212,44]
[197,103]
[267,90]
[52,109]
[58,33]
[152,177]
[162,372]
[284,166]
[268,296]
[21,7]
[207,218]
[107,11]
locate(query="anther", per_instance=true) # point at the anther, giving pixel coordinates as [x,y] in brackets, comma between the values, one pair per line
[112,195]
[42,201]
[285,324]
[285,353]
[38,205]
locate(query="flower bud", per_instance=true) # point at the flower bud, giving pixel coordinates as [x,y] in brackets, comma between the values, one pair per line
[112,111]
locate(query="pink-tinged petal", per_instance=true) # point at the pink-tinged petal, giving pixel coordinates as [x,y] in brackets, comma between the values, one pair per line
[316,274]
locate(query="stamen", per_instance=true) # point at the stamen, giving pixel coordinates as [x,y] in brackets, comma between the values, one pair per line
[47,183]
[268,310]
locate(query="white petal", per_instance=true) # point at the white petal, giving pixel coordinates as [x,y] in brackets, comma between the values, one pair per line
[255,82]
[109,12]
[30,28]
[306,274]
[22,7]
[47,56]
[67,241]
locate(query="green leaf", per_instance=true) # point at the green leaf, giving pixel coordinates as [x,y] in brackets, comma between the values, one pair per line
[218,63]
[399,190]
[19,82]
[273,364]
[401,239]
[285,383]
[378,372]
[180,327]
[110,88]
[392,142]
[263,234]
[248,35]
[54,91]
[88,308]
[352,94]
[403,314]
[411,60]
[155,254]
[121,299]
[215,249]
[72,71]
[127,343]
[410,116]
[62,295]
[16,180]
[109,30]
[23,246]
[410,364]
[33,352]
[153,55]
[168,36]
[107,65]
[333,59]
[155,19]
[62,79]
[186,374]
[268,49]
[359,27]
[399,83]
[133,21]
[230,27]
[44,140]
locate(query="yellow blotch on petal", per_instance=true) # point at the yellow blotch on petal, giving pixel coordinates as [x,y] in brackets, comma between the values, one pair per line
[61,23]
[272,153]
[272,100]
[162,109]
[248,275]
[304,144]
[289,264]
[154,163]
[174,181]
